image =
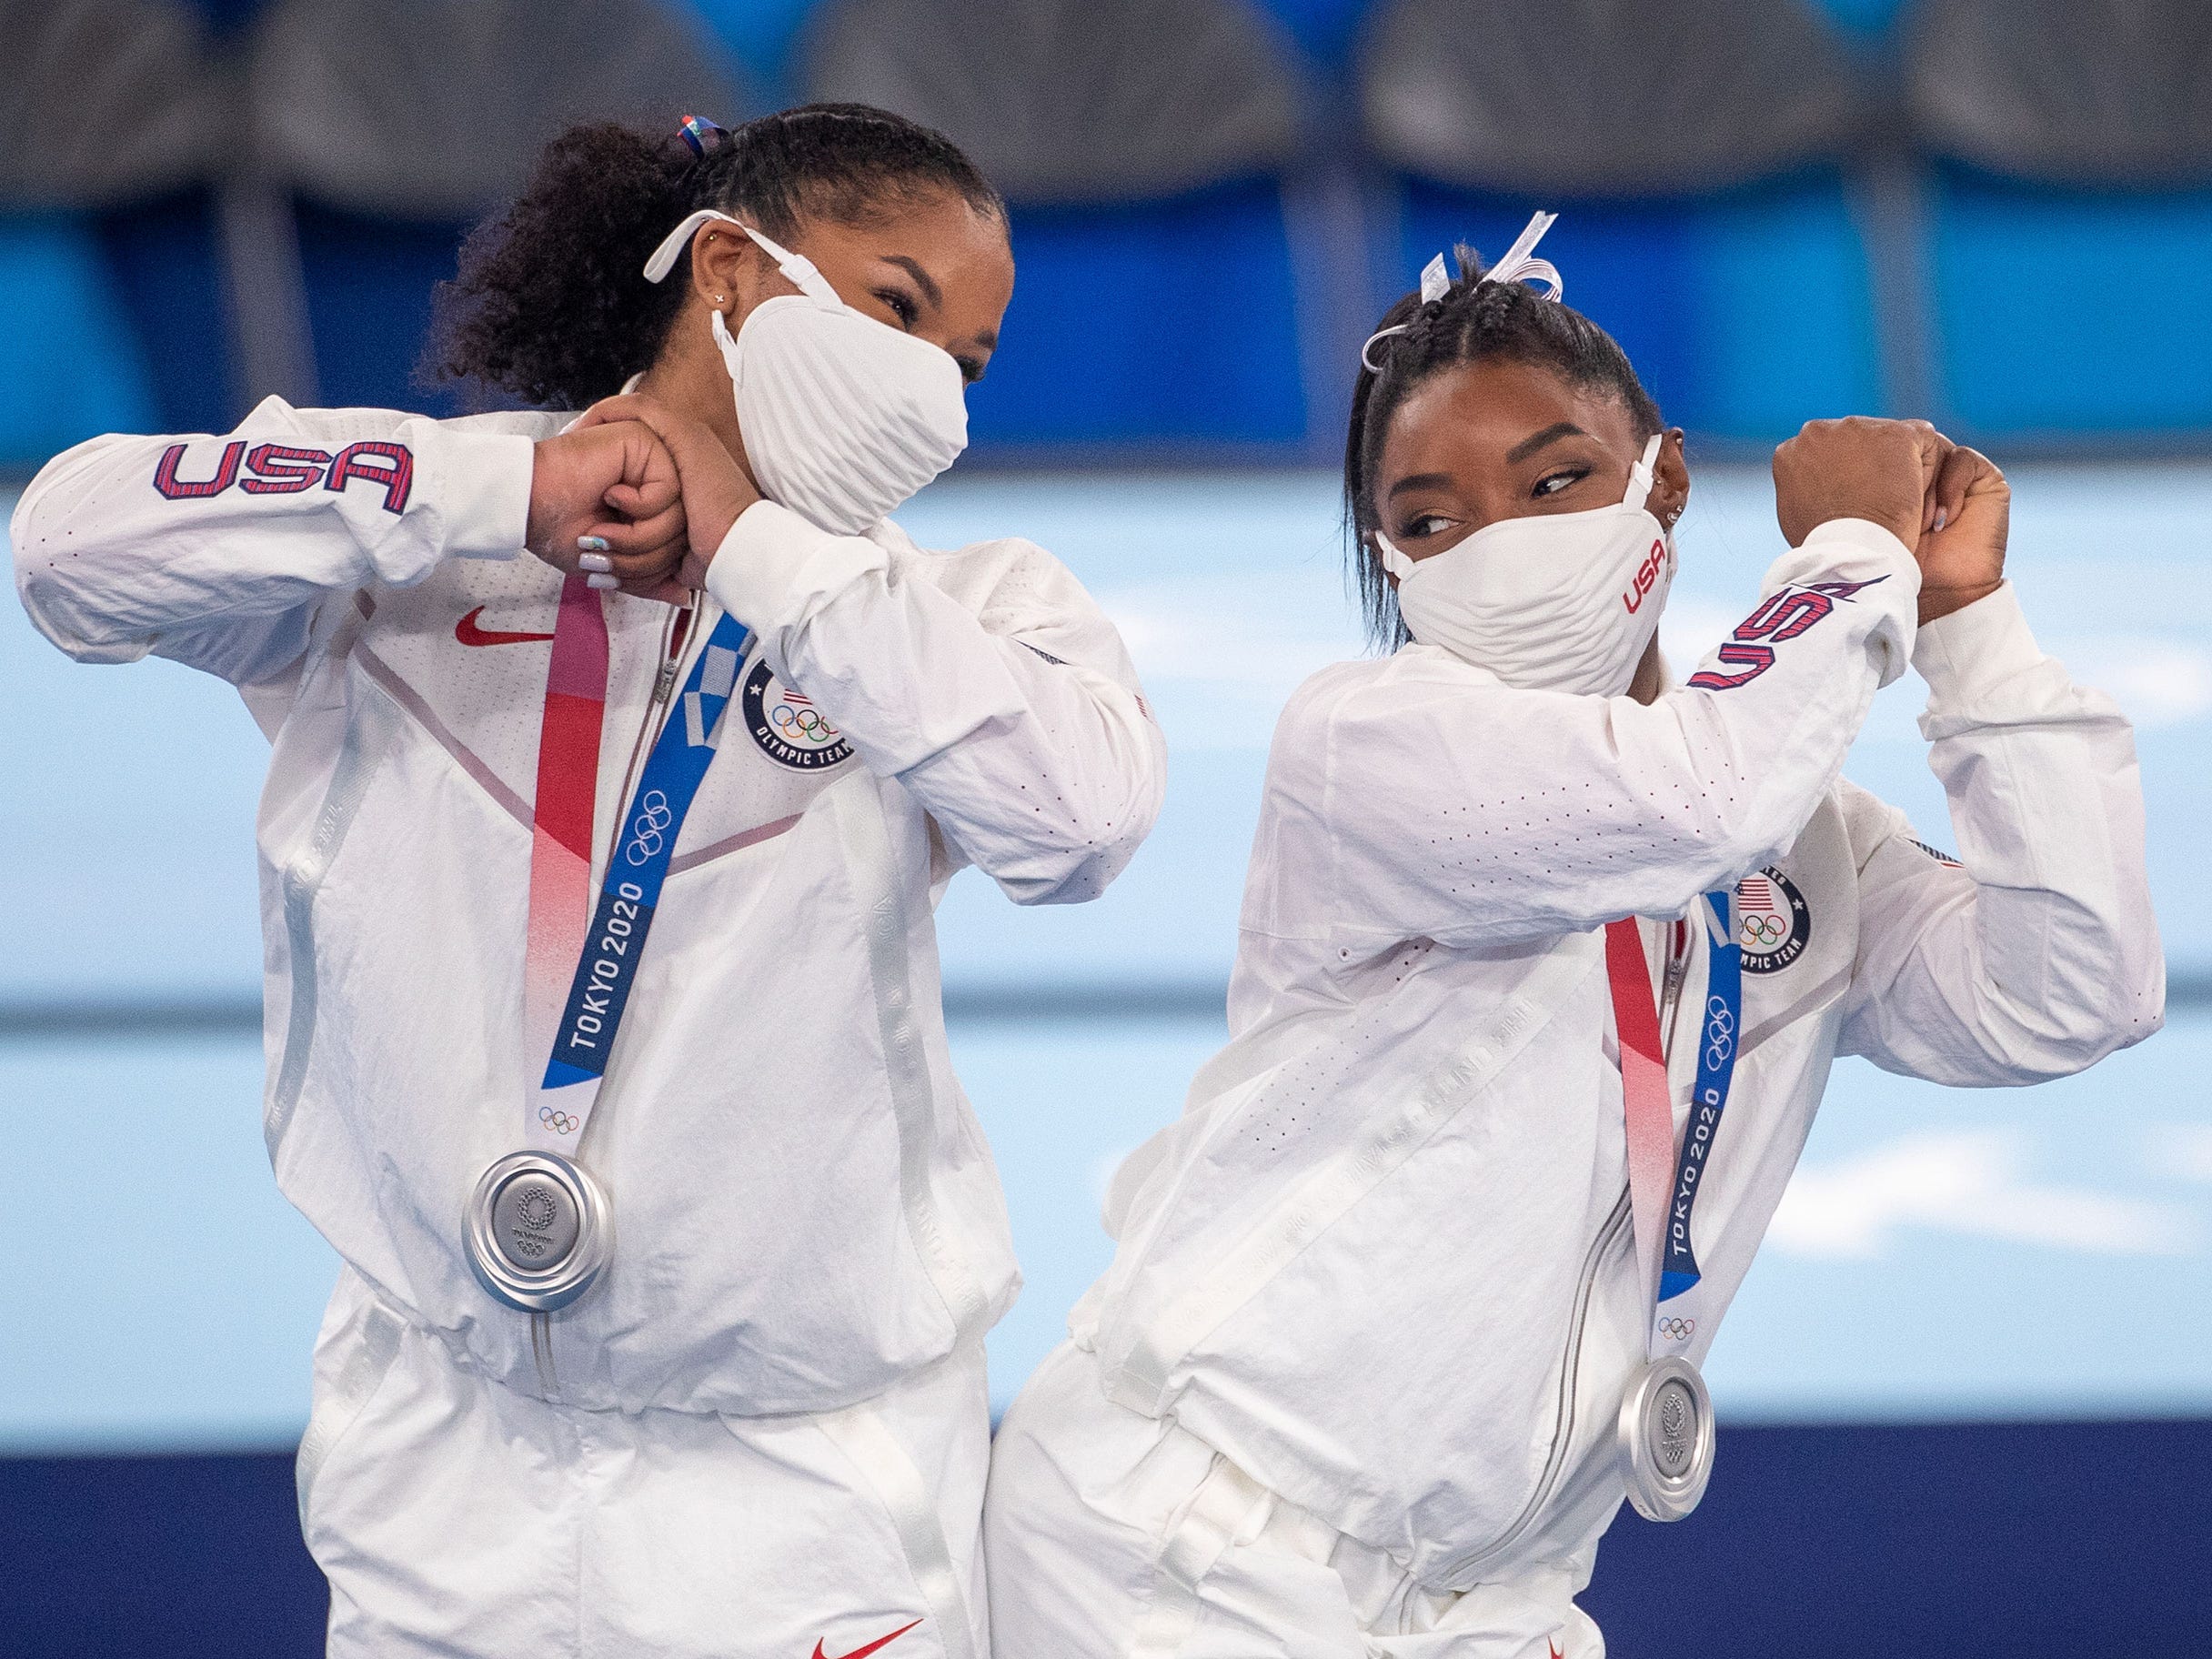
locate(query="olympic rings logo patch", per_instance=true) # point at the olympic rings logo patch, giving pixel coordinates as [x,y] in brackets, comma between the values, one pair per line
[1760,931]
[650,828]
[1773,923]
[797,725]
[559,1122]
[787,727]
[1677,1329]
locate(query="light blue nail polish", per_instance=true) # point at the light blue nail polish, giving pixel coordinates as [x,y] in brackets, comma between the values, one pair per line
[592,544]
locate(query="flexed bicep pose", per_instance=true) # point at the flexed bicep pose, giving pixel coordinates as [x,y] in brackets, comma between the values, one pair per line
[1542,967]
[603,1022]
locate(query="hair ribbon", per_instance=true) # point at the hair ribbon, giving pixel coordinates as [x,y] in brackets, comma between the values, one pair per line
[1518,265]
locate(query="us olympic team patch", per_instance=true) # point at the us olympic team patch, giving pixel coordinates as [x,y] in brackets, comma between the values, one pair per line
[789,729]
[1773,924]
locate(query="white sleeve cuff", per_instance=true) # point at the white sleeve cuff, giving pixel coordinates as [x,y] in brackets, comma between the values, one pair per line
[484,492]
[775,568]
[1848,549]
[1975,647]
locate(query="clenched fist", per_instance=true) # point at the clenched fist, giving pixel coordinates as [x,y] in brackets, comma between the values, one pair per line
[715,490]
[616,483]
[1857,467]
[1962,551]
[1946,503]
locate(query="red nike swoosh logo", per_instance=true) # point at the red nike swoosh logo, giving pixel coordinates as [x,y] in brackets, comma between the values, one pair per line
[862,1652]
[467,631]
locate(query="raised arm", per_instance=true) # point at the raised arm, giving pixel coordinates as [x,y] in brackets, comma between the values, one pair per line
[217,552]
[1456,809]
[1021,731]
[2037,953]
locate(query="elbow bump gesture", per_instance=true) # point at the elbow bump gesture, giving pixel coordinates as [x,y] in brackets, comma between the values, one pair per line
[1948,504]
[636,497]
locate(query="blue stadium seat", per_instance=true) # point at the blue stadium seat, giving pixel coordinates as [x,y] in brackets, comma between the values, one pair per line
[1149,325]
[1745,313]
[2067,311]
[70,364]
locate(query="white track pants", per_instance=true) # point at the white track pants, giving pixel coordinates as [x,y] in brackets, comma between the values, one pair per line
[454,1516]
[1111,1535]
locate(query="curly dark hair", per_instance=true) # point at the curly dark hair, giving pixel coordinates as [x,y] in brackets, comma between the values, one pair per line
[1474,320]
[550,303]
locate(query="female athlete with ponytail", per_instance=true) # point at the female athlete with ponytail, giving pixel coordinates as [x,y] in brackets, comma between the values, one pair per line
[1542,967]
[603,1027]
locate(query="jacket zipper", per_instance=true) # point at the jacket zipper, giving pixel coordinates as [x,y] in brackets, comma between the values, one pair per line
[672,647]
[1677,971]
[1563,1429]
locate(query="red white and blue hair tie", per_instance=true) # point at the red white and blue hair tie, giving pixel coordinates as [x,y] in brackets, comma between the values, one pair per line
[695,130]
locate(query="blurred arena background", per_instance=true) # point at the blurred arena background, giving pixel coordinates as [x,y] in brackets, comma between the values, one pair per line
[1970,1380]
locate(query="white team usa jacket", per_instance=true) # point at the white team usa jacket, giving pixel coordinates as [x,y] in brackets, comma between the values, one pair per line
[1385,1264]
[806,1210]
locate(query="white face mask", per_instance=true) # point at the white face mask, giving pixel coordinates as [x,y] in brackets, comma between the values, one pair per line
[844,416]
[1556,602]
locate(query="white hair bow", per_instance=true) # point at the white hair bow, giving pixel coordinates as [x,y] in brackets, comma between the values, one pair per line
[1518,265]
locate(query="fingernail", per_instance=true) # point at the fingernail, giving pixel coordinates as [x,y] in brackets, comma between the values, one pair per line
[592,544]
[604,583]
[597,561]
[1939,517]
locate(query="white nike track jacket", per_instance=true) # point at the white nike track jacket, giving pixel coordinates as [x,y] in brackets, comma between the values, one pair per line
[807,1215]
[1381,1271]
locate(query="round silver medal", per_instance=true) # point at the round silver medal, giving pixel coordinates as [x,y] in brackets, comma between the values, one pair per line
[1667,1439]
[539,1229]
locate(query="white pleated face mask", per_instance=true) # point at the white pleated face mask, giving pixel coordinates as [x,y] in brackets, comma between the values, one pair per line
[844,416]
[1553,602]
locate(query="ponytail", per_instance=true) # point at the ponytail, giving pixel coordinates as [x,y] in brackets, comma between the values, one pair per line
[551,304]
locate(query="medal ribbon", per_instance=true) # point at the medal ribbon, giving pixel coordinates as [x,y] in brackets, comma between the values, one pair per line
[602,960]
[1666,1256]
[560,840]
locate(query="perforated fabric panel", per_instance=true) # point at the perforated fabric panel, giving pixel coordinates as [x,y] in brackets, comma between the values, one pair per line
[436,108]
[1605,97]
[2074,91]
[106,101]
[1074,100]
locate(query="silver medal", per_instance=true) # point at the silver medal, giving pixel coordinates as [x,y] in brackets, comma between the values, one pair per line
[1667,1439]
[539,1231]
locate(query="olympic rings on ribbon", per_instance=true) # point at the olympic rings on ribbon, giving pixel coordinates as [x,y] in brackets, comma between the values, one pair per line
[1677,1329]
[559,1122]
[645,830]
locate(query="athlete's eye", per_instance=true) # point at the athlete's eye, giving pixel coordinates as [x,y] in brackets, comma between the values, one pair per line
[901,305]
[1552,483]
[1424,524]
